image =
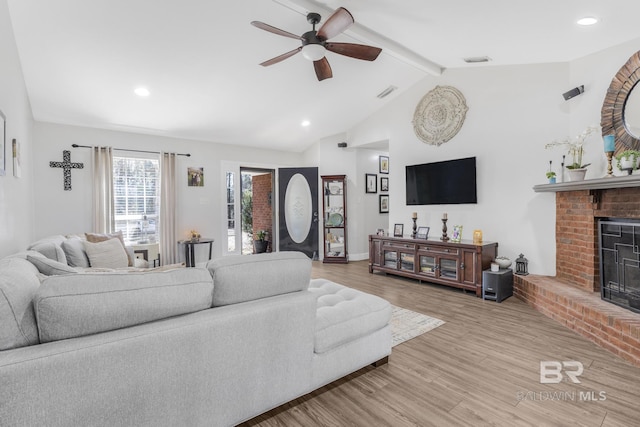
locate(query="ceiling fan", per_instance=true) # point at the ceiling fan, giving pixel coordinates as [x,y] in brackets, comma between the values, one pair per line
[315,43]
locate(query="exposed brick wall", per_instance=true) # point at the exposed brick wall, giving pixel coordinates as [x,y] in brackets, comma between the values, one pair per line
[576,239]
[262,209]
[611,327]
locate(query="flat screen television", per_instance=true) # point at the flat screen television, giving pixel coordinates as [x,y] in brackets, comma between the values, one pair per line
[442,183]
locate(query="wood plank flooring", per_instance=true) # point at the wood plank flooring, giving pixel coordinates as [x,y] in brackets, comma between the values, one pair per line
[482,367]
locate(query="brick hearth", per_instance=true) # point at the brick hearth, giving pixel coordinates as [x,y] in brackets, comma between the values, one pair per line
[572,297]
[606,324]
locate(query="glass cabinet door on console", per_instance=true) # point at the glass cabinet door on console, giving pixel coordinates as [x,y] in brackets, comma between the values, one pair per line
[334,218]
[390,258]
[399,256]
[438,262]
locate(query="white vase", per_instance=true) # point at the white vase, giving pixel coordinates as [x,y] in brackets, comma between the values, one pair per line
[627,163]
[577,174]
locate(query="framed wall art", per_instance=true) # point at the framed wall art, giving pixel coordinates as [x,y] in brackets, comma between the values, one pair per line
[384,164]
[195,177]
[371,182]
[384,203]
[384,183]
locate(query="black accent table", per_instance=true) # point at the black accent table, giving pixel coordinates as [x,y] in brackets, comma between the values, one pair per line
[189,249]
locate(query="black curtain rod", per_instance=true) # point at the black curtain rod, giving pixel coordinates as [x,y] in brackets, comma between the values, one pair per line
[134,151]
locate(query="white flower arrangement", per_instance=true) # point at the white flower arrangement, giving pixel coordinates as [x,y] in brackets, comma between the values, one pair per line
[575,147]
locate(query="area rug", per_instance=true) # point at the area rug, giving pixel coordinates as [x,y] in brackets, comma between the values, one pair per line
[407,324]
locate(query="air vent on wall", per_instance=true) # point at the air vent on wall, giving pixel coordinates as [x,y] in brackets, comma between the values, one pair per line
[386,92]
[477,59]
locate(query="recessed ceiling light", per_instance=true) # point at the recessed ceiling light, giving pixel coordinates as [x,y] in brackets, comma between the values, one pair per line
[305,123]
[142,91]
[587,20]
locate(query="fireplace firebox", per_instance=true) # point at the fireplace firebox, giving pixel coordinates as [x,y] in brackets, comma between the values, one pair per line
[619,241]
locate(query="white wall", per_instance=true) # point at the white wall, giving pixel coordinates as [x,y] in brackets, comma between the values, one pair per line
[16,194]
[513,112]
[64,212]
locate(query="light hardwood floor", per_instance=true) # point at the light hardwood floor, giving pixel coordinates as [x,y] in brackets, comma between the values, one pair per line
[482,367]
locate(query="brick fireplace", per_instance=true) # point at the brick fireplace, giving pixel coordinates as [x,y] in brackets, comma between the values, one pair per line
[572,297]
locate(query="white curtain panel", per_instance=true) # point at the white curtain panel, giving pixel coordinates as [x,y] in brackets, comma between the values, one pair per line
[103,205]
[168,209]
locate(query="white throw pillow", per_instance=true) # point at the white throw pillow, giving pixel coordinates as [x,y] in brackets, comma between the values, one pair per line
[107,254]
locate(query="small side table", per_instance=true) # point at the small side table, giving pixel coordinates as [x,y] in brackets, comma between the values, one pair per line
[497,285]
[189,249]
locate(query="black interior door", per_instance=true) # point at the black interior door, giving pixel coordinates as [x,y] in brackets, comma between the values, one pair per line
[298,210]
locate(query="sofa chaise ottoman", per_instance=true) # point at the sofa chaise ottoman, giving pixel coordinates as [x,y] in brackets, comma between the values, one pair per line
[252,333]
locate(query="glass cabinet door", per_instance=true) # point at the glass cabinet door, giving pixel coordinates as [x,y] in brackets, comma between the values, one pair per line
[390,259]
[406,262]
[427,265]
[448,268]
[334,243]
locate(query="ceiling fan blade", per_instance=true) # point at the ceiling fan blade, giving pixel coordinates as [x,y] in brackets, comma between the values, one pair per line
[281,57]
[358,51]
[339,21]
[323,69]
[274,30]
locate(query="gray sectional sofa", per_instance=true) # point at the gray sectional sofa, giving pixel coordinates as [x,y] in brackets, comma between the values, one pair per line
[184,346]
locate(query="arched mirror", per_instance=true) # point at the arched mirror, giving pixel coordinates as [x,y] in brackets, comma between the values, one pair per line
[621,108]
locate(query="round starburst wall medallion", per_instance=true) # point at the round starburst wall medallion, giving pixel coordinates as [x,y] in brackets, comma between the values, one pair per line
[439,115]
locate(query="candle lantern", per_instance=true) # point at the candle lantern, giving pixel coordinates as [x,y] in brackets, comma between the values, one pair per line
[521,265]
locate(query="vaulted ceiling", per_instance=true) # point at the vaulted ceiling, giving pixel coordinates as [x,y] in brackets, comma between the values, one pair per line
[199,59]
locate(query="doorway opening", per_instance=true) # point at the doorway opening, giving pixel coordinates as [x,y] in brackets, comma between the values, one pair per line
[257,209]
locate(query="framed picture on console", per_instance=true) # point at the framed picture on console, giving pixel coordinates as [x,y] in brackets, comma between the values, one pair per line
[422,233]
[398,230]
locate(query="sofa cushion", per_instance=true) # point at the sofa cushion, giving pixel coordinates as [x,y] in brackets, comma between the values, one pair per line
[18,285]
[243,278]
[83,304]
[50,247]
[106,254]
[50,267]
[345,314]
[96,238]
[74,251]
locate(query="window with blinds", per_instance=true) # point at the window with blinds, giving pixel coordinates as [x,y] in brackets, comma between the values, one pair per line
[136,186]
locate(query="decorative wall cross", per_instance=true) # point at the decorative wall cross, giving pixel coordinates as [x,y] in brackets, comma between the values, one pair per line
[66,166]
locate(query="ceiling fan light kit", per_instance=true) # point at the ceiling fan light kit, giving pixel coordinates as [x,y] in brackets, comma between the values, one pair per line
[313,52]
[314,44]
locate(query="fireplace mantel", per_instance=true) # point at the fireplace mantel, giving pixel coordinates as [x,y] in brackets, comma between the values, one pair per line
[590,184]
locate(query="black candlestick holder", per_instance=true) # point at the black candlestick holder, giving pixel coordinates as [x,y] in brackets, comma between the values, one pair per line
[415,228]
[444,237]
